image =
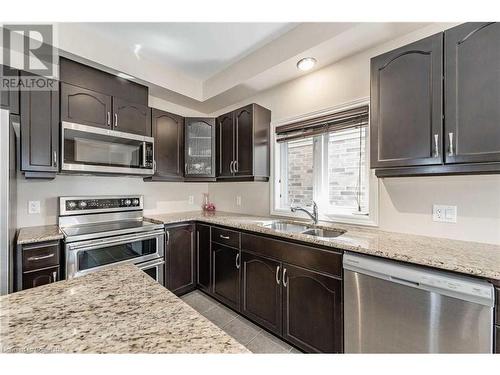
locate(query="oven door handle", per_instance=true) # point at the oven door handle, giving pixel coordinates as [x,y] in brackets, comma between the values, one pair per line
[123,239]
[151,264]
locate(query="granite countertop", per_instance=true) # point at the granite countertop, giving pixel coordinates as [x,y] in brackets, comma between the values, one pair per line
[39,234]
[116,310]
[470,258]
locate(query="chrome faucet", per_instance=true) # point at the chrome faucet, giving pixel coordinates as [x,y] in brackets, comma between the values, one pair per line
[313,215]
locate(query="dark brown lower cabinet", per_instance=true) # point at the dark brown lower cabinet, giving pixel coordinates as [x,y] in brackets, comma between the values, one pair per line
[37,264]
[180,259]
[261,290]
[40,277]
[226,274]
[312,310]
[203,256]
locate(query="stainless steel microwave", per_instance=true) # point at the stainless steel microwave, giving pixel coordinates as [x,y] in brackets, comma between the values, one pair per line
[89,149]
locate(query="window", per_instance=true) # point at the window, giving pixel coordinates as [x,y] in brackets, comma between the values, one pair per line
[326,161]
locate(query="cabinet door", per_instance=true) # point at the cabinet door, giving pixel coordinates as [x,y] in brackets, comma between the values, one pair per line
[406,105]
[226,274]
[261,291]
[200,147]
[131,117]
[312,310]
[169,145]
[472,93]
[243,125]
[39,130]
[9,99]
[40,277]
[181,257]
[203,256]
[225,145]
[85,107]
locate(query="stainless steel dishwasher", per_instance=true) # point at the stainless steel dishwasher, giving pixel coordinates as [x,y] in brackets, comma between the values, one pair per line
[390,307]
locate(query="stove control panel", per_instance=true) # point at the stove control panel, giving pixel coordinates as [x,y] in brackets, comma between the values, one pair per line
[74,205]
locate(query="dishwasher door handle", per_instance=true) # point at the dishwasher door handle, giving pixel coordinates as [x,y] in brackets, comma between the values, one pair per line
[403,281]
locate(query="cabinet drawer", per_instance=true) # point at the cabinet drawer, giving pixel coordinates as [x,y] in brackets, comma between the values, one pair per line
[40,255]
[328,261]
[226,237]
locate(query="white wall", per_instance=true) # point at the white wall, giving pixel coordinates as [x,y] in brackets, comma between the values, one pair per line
[405,204]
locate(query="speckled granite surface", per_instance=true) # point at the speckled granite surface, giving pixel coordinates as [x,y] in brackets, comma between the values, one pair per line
[116,310]
[471,258]
[38,234]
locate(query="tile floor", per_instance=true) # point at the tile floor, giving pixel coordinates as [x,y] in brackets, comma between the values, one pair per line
[256,339]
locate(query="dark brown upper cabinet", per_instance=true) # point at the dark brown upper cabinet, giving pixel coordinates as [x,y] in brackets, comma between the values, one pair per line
[85,106]
[9,99]
[199,149]
[261,290]
[180,258]
[472,93]
[39,132]
[168,130]
[96,98]
[203,257]
[312,310]
[406,105]
[243,148]
[131,117]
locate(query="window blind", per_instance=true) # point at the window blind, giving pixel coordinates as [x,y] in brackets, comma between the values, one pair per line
[350,118]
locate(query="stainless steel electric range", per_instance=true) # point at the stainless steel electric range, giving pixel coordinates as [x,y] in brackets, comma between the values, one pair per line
[107,230]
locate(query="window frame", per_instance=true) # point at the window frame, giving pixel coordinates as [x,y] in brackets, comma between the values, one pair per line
[277,153]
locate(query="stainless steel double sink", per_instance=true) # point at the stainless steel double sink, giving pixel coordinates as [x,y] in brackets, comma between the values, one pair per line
[292,227]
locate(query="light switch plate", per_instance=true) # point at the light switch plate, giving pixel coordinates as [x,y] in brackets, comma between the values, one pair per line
[33,207]
[191,199]
[445,214]
[238,200]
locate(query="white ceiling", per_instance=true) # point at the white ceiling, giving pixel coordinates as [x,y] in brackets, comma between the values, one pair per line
[209,66]
[198,50]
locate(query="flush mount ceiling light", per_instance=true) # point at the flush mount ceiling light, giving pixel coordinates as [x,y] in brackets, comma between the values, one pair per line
[306,63]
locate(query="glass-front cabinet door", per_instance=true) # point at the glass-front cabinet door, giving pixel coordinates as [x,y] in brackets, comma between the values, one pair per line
[199,148]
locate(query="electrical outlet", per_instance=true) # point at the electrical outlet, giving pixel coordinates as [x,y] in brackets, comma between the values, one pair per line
[442,213]
[33,207]
[191,199]
[238,200]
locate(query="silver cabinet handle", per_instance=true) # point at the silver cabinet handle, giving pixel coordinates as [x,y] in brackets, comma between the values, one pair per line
[185,168]
[285,282]
[450,148]
[237,261]
[54,276]
[278,275]
[108,116]
[31,259]
[236,166]
[223,237]
[231,167]
[436,145]
[54,158]
[116,120]
[168,236]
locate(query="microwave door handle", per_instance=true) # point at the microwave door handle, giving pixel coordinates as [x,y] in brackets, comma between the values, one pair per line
[144,154]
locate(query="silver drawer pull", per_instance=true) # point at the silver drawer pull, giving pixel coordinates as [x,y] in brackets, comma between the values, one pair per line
[278,275]
[285,281]
[40,257]
[54,276]
[223,237]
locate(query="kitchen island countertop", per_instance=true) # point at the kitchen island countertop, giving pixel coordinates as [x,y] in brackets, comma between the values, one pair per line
[116,310]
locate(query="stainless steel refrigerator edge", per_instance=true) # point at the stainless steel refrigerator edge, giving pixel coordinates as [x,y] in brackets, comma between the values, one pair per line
[390,307]
[8,198]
